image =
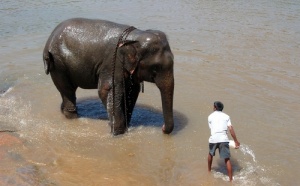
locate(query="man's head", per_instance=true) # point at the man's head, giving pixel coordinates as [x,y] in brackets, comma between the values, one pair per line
[218,105]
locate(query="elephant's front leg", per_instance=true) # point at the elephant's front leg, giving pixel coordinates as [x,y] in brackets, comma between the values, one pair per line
[132,93]
[114,104]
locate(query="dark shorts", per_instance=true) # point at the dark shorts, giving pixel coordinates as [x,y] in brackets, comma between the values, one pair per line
[223,149]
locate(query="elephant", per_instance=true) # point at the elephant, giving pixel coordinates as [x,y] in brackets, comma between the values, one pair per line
[114,59]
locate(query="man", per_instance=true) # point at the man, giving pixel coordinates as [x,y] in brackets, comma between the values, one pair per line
[219,123]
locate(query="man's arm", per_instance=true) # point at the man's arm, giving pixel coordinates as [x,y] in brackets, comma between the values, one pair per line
[237,143]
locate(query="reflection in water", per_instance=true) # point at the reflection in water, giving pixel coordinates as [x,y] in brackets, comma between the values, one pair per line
[91,108]
[143,115]
[242,52]
[85,142]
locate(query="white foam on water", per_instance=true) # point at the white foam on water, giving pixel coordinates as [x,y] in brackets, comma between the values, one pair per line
[248,172]
[245,149]
[17,113]
[6,92]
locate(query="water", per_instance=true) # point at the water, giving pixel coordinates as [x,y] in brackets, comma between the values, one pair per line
[247,151]
[245,54]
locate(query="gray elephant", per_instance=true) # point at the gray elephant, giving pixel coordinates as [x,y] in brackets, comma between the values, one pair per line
[113,58]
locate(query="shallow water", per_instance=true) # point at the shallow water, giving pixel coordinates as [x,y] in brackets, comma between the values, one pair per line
[245,54]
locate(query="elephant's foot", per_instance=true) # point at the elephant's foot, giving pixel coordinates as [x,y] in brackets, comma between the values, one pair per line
[70,113]
[166,130]
[118,131]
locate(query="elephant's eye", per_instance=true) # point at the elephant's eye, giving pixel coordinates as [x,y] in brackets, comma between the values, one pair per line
[154,50]
[154,70]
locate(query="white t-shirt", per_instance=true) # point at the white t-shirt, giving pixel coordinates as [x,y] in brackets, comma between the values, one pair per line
[218,123]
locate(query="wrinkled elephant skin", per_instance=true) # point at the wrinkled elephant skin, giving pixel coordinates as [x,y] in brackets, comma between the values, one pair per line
[81,52]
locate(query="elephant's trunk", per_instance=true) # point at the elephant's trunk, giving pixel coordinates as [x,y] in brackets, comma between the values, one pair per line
[166,88]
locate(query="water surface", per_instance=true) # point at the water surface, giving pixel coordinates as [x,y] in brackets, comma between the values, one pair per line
[245,54]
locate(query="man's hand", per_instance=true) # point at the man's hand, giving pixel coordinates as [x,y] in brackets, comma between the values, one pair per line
[237,143]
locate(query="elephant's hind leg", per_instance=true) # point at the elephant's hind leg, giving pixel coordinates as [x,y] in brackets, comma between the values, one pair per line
[68,106]
[67,92]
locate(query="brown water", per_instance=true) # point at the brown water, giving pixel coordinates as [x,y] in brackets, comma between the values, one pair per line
[245,54]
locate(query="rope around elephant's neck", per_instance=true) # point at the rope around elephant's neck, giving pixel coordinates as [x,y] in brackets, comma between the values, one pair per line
[121,40]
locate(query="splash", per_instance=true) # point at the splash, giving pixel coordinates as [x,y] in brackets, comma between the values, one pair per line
[13,113]
[4,92]
[245,149]
[246,171]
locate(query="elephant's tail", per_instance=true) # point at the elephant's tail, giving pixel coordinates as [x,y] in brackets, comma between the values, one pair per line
[48,61]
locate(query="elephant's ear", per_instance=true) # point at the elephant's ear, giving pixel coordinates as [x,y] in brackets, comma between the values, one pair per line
[130,52]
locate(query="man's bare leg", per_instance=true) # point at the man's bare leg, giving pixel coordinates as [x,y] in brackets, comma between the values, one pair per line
[229,168]
[209,161]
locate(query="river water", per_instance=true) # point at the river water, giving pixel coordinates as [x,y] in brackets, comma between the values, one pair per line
[243,53]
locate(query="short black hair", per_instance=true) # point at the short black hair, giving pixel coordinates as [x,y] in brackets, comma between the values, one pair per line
[218,105]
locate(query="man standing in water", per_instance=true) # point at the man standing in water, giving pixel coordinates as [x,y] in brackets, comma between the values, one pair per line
[219,123]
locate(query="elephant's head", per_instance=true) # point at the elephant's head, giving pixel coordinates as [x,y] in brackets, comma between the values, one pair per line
[149,58]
